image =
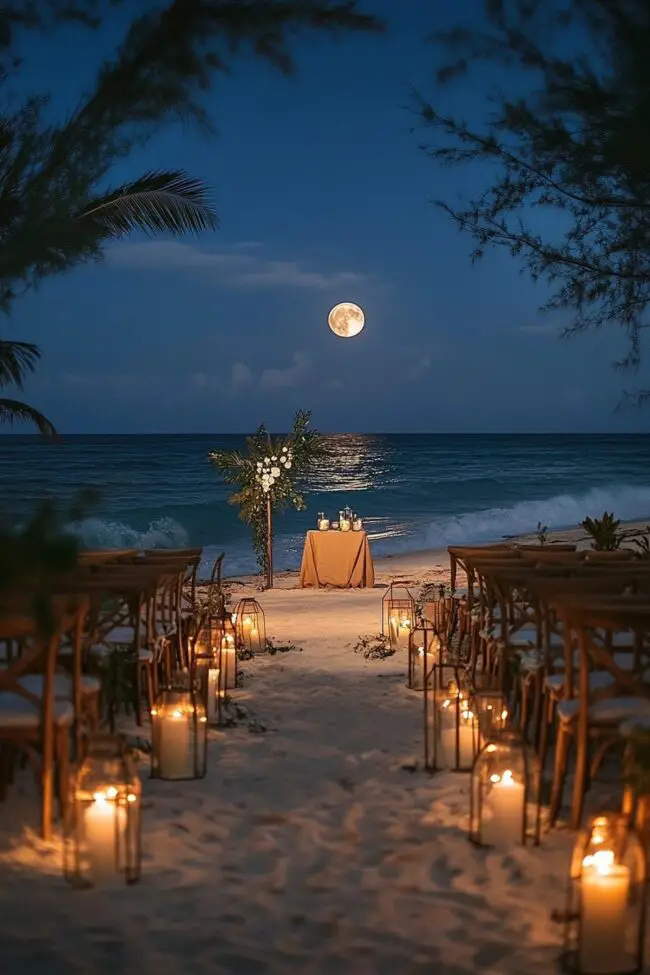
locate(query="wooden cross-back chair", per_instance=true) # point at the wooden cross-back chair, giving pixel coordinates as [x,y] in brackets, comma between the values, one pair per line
[33,720]
[611,685]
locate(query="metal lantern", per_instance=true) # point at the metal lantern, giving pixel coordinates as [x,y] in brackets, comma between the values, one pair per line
[102,832]
[179,733]
[398,614]
[250,626]
[504,807]
[209,676]
[492,714]
[604,930]
[450,725]
[424,647]
[434,608]
[218,638]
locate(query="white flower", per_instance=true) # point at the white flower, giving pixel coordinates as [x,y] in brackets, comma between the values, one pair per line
[284,450]
[274,457]
[275,471]
[288,464]
[265,488]
[267,460]
[259,465]
[271,479]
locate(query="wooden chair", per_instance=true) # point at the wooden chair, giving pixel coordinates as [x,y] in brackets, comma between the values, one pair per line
[35,722]
[600,706]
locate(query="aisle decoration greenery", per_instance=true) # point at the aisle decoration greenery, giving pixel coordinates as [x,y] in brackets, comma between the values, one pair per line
[270,476]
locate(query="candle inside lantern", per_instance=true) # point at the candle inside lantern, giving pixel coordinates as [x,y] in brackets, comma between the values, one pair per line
[229,661]
[344,524]
[505,801]
[457,728]
[605,889]
[214,692]
[392,629]
[357,525]
[104,831]
[176,749]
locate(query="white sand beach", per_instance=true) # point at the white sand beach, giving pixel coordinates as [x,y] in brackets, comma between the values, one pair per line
[314,844]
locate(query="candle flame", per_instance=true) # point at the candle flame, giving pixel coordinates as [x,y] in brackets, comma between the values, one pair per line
[491,748]
[131,797]
[504,714]
[505,779]
[602,861]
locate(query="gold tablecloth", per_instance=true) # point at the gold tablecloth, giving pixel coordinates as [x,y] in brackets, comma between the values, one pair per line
[336,558]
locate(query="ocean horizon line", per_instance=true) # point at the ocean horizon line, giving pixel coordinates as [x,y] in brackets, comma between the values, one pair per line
[335,433]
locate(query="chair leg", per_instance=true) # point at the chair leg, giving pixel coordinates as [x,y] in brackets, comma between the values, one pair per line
[562,749]
[148,671]
[137,697]
[580,780]
[62,757]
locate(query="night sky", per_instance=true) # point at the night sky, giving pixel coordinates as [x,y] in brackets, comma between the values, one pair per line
[323,196]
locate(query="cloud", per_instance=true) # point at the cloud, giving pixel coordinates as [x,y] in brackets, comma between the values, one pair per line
[240,375]
[230,268]
[418,370]
[291,376]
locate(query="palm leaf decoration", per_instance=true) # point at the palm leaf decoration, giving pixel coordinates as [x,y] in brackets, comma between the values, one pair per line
[13,411]
[16,360]
[158,202]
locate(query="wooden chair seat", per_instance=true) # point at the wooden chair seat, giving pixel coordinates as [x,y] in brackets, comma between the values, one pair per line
[607,712]
[17,712]
[61,685]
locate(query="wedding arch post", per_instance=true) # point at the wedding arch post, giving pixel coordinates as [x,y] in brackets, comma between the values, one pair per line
[269,543]
[267,476]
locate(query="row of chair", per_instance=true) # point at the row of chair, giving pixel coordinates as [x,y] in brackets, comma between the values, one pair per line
[126,609]
[566,634]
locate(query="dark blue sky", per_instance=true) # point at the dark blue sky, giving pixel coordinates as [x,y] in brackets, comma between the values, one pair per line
[323,196]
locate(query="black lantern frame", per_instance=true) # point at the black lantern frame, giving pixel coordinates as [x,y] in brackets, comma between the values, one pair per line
[249,622]
[605,917]
[424,650]
[209,678]
[504,803]
[102,836]
[398,613]
[450,726]
[179,731]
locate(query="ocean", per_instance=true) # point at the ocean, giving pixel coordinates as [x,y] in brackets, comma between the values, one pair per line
[413,491]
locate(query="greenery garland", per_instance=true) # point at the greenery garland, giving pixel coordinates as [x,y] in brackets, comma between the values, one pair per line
[266,478]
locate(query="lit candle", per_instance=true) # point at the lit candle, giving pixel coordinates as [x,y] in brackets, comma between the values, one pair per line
[605,890]
[392,629]
[404,628]
[214,691]
[175,752]
[506,804]
[419,668]
[229,662]
[464,759]
[104,827]
[357,524]
[345,525]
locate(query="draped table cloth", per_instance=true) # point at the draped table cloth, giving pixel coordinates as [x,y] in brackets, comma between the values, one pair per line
[336,558]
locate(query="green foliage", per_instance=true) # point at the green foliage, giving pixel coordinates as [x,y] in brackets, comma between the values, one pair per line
[35,553]
[244,472]
[542,533]
[375,647]
[604,532]
[17,359]
[430,593]
[564,142]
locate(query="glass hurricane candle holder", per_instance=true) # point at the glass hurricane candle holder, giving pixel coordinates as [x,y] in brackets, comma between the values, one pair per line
[323,524]
[450,725]
[398,614]
[605,918]
[218,638]
[102,829]
[179,733]
[504,805]
[250,626]
[492,714]
[345,524]
[209,674]
[424,647]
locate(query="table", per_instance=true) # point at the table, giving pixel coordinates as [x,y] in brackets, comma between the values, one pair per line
[336,558]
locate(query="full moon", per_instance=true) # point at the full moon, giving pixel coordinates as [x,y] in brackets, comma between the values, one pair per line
[346,319]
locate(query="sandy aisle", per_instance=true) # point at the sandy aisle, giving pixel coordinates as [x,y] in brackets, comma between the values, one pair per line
[308,848]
